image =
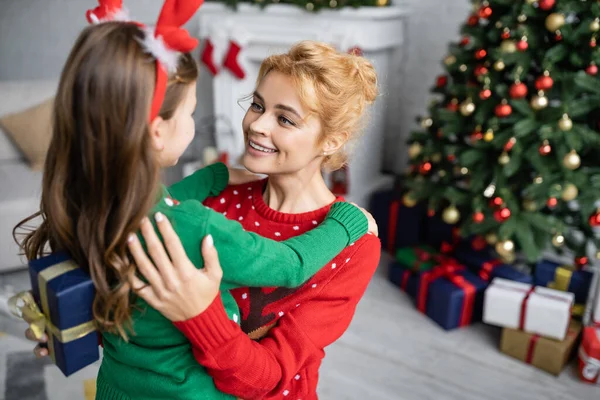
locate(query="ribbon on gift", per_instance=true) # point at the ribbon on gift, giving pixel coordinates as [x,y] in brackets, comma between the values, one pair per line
[487,268]
[448,269]
[394,210]
[562,280]
[24,306]
[404,283]
[531,348]
[422,257]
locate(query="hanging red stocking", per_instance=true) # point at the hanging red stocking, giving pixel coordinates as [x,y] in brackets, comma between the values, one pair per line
[207,57]
[231,60]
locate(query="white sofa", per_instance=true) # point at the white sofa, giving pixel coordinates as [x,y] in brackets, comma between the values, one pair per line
[20,187]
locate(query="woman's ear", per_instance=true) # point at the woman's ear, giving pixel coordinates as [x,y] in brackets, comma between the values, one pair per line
[334,142]
[157,134]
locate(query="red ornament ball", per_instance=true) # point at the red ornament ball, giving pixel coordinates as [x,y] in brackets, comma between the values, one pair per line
[451,157]
[480,70]
[505,35]
[441,81]
[478,217]
[593,42]
[473,20]
[430,212]
[485,94]
[452,106]
[478,243]
[503,110]
[465,41]
[546,4]
[502,215]
[476,136]
[558,37]
[509,145]
[518,90]
[497,202]
[522,45]
[592,69]
[425,168]
[552,202]
[485,12]
[480,54]
[581,261]
[545,149]
[595,220]
[544,82]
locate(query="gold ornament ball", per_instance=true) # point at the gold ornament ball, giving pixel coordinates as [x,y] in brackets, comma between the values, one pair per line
[408,200]
[449,60]
[451,215]
[504,158]
[565,124]
[538,180]
[310,6]
[539,102]
[595,25]
[505,247]
[531,1]
[598,255]
[529,205]
[436,157]
[555,21]
[442,173]
[572,160]
[499,65]
[463,68]
[488,136]
[508,46]
[333,4]
[570,192]
[382,3]
[467,108]
[426,122]
[464,170]
[491,238]
[414,150]
[522,18]
[508,258]
[558,240]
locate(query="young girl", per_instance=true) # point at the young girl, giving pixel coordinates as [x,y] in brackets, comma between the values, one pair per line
[306,107]
[123,110]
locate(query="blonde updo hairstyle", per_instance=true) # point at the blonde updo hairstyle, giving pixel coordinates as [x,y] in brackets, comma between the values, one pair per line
[334,86]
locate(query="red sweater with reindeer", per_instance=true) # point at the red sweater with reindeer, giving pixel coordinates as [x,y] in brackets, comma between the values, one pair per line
[277,351]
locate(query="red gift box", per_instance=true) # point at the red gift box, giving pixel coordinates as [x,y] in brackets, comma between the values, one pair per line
[589,355]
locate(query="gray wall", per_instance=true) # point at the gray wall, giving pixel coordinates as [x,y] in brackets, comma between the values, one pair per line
[36,35]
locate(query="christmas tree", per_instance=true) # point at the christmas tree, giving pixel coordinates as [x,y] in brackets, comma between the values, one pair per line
[510,151]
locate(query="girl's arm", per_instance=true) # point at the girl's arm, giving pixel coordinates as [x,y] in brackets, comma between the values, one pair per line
[207,181]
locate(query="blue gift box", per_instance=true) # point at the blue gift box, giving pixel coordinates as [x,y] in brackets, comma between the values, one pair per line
[404,278]
[407,224]
[65,294]
[476,261]
[563,277]
[445,300]
[438,231]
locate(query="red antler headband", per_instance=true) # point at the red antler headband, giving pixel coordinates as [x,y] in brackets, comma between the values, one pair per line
[165,43]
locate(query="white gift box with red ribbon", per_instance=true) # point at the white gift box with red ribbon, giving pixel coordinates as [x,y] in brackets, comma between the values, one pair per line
[533,309]
[589,355]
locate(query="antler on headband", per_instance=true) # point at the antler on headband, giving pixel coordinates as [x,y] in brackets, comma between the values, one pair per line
[168,41]
[107,10]
[165,43]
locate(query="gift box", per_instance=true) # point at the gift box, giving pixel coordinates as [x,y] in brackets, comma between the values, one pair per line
[399,226]
[533,309]
[441,235]
[547,354]
[488,268]
[565,278]
[450,295]
[589,355]
[409,266]
[60,303]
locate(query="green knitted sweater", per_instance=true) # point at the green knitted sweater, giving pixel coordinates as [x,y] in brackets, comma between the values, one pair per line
[157,362]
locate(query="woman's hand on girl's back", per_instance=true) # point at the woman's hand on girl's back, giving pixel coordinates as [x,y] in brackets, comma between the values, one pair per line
[176,288]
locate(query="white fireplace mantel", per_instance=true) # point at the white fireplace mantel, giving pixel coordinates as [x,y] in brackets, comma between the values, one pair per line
[377,31]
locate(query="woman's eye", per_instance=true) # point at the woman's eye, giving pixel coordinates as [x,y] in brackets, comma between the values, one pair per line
[256,106]
[286,121]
